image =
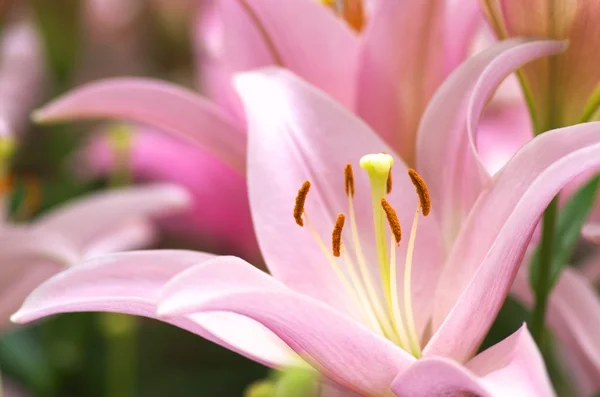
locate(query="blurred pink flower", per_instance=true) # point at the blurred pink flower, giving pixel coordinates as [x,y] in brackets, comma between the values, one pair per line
[416,331]
[574,317]
[384,70]
[84,228]
[22,76]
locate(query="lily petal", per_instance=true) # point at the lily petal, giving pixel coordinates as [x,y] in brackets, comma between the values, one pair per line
[447,157]
[296,134]
[93,218]
[130,283]
[396,78]
[227,41]
[477,277]
[219,214]
[342,349]
[165,106]
[502,131]
[312,42]
[28,257]
[513,367]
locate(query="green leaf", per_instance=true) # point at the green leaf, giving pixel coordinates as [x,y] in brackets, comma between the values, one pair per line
[570,221]
[59,25]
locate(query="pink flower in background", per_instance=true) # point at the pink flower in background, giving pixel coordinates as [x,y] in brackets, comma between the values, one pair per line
[574,317]
[384,69]
[387,329]
[22,77]
[562,90]
[83,228]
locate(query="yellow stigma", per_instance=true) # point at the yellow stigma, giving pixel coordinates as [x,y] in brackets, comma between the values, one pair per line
[377,165]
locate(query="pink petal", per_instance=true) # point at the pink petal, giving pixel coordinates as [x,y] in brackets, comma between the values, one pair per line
[477,277]
[88,221]
[401,63]
[219,215]
[463,22]
[167,107]
[136,234]
[227,40]
[446,151]
[130,283]
[574,317]
[28,257]
[22,76]
[513,367]
[295,134]
[312,42]
[502,131]
[342,349]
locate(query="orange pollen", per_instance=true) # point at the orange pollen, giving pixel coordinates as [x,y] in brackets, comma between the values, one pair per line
[300,200]
[392,218]
[349,180]
[422,191]
[336,235]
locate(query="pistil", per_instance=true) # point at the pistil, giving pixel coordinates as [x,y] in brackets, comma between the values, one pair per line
[378,168]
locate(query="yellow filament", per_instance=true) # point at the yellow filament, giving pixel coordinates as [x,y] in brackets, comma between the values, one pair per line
[360,291]
[396,316]
[364,271]
[412,330]
[338,271]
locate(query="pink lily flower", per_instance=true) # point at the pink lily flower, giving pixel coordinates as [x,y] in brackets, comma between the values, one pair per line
[562,90]
[94,225]
[363,67]
[371,320]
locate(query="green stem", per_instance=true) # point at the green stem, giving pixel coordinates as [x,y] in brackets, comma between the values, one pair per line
[120,332]
[542,290]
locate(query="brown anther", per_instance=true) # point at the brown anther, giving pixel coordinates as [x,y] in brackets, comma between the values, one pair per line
[392,218]
[388,185]
[422,191]
[336,235]
[349,180]
[300,200]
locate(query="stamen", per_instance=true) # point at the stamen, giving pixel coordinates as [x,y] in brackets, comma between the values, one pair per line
[412,330]
[389,183]
[349,180]
[422,191]
[300,200]
[336,236]
[392,220]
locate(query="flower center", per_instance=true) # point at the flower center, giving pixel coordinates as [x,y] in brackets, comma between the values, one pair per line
[352,11]
[385,313]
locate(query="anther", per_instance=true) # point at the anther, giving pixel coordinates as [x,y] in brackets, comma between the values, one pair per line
[349,180]
[300,200]
[336,236]
[392,218]
[422,191]
[388,184]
